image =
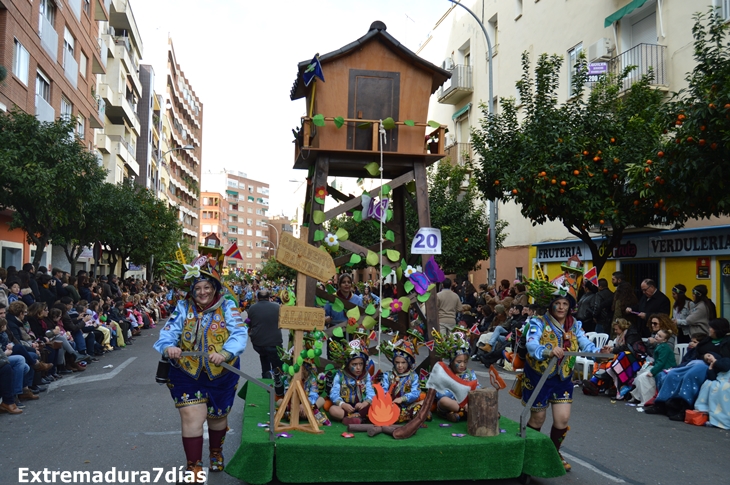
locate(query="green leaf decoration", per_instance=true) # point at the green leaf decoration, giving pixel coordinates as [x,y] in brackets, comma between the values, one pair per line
[338,306]
[385,189]
[300,360]
[409,123]
[339,121]
[390,236]
[370,309]
[292,371]
[386,270]
[376,224]
[310,354]
[398,272]
[369,322]
[357,216]
[285,367]
[355,259]
[331,289]
[385,302]
[321,301]
[351,328]
[423,298]
[406,302]
[411,186]
[338,332]
[319,200]
[318,120]
[389,215]
[363,126]
[318,217]
[372,259]
[385,312]
[373,168]
[330,367]
[392,254]
[403,264]
[388,123]
[408,286]
[342,234]
[431,287]
[353,313]
[318,235]
[434,124]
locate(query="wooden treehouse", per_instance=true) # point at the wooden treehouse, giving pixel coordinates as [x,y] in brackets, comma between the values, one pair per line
[369,80]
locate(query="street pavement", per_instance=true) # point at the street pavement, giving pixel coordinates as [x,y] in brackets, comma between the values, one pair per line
[119,417]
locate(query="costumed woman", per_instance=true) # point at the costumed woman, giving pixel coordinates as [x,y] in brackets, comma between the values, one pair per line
[550,336]
[352,388]
[200,387]
[402,382]
[453,382]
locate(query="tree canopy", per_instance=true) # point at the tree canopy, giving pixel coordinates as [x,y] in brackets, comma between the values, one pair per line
[571,162]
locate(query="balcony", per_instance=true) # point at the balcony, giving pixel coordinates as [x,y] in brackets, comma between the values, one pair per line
[75,8]
[460,153]
[122,17]
[645,57]
[118,109]
[458,87]
[71,68]
[125,151]
[101,12]
[43,110]
[49,38]
[98,62]
[97,119]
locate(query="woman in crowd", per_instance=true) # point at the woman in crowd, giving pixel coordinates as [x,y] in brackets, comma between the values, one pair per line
[203,390]
[369,297]
[679,389]
[344,293]
[657,322]
[680,311]
[703,312]
[714,397]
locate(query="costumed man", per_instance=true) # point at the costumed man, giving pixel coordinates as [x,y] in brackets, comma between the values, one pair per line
[201,388]
[550,336]
[402,382]
[452,382]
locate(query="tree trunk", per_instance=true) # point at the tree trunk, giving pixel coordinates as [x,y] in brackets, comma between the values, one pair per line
[483,417]
[40,246]
[72,255]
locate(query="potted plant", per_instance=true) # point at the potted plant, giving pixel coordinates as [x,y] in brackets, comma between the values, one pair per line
[432,141]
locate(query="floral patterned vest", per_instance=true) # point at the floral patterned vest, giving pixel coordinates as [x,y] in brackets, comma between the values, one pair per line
[554,336]
[208,336]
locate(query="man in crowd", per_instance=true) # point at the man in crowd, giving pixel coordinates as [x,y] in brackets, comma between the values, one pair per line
[653,301]
[602,304]
[449,305]
[264,332]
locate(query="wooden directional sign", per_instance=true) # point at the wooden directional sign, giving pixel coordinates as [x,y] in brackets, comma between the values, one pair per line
[305,258]
[301,318]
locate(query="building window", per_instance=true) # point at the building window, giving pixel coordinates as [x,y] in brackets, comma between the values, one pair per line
[250,189]
[725,9]
[87,7]
[43,87]
[518,9]
[66,109]
[249,232]
[21,62]
[249,244]
[259,233]
[249,210]
[518,273]
[249,255]
[68,45]
[249,222]
[81,126]
[47,11]
[82,65]
[573,55]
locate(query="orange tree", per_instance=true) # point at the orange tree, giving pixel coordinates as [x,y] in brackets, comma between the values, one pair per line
[690,172]
[570,161]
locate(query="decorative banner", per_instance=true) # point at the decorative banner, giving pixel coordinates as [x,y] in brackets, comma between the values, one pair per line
[427,241]
[233,252]
[314,69]
[592,276]
[429,344]
[475,330]
[423,374]
[374,210]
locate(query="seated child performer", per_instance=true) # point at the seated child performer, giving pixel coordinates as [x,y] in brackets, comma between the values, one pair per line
[352,388]
[452,382]
[402,382]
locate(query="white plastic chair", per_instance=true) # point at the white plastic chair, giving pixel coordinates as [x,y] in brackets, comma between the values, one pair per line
[679,352]
[600,340]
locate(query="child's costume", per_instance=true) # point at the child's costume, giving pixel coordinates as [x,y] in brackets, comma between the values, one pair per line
[446,382]
[404,385]
[349,388]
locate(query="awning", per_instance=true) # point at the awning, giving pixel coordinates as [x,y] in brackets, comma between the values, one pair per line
[231,192]
[620,13]
[461,111]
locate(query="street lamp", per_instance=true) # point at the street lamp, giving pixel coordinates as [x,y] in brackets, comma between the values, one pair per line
[276,246]
[492,276]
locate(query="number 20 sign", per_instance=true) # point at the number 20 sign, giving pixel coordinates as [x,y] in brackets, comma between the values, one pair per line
[427,241]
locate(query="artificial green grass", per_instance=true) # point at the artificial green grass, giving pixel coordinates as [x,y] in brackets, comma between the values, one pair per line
[431,454]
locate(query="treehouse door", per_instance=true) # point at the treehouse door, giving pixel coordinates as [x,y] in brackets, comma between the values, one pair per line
[372,95]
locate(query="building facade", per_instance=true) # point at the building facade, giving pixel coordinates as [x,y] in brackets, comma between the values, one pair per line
[647,33]
[248,202]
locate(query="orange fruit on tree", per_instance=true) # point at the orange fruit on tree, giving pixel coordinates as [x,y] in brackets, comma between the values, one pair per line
[616,160]
[647,169]
[712,106]
[678,123]
[590,174]
[681,117]
[636,202]
[562,191]
[690,139]
[553,181]
[614,176]
[703,128]
[613,140]
[563,183]
[514,191]
[660,154]
[576,172]
[586,153]
[702,142]
[605,170]
[496,182]
[727,106]
[714,146]
[596,159]
[649,162]
[602,222]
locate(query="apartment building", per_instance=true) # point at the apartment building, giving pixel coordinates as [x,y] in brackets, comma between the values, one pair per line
[149,153]
[277,226]
[647,33]
[51,52]
[248,201]
[214,218]
[183,155]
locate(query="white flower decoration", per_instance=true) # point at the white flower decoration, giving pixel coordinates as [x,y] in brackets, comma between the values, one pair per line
[331,240]
[191,271]
[409,271]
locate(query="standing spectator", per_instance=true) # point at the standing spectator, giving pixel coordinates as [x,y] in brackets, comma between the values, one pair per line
[45,285]
[521,297]
[114,286]
[503,291]
[653,301]
[680,311]
[106,289]
[58,284]
[585,306]
[71,289]
[623,298]
[263,330]
[33,283]
[449,305]
[602,304]
[703,312]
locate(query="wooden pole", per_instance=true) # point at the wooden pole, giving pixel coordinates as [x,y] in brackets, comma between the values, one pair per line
[483,416]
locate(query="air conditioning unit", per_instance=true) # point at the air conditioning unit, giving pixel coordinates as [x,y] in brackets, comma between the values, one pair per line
[599,50]
[448,64]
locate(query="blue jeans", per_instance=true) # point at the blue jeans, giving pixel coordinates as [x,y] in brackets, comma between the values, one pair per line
[21,373]
[79,341]
[499,334]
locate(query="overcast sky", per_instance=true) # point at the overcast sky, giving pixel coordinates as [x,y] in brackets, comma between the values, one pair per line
[240,57]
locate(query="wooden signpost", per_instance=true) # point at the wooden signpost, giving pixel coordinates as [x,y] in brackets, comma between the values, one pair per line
[308,261]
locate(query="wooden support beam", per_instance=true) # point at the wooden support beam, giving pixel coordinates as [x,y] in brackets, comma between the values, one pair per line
[337,195]
[374,247]
[354,203]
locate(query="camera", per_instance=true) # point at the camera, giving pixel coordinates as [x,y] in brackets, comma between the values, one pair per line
[163,371]
[49,334]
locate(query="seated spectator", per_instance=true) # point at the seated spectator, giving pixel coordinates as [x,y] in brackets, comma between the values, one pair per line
[22,374]
[6,382]
[680,387]
[645,382]
[714,397]
[660,321]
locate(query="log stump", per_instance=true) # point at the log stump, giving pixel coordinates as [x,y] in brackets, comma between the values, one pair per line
[483,416]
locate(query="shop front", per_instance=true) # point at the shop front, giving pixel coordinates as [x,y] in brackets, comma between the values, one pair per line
[688,256]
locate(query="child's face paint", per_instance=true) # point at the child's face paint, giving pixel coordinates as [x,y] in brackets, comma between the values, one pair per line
[356,366]
[459,363]
[401,365]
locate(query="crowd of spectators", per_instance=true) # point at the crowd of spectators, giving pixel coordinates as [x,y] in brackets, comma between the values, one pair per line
[54,324]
